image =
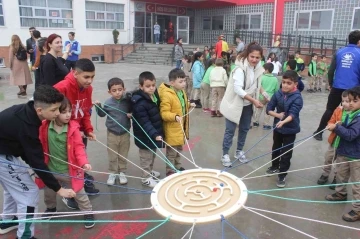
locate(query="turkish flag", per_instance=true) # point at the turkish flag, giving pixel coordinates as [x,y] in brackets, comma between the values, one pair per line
[182,10]
[150,7]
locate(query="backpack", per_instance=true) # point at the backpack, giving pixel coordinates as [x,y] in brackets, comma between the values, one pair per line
[21,54]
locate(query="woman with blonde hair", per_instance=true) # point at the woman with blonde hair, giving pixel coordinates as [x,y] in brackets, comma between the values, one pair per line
[20,73]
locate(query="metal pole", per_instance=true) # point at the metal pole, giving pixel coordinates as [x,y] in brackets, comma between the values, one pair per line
[297,23]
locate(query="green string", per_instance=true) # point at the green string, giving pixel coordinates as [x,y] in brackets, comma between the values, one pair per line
[304,187]
[153,229]
[82,221]
[165,160]
[303,200]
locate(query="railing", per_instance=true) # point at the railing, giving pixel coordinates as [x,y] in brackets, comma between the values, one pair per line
[138,39]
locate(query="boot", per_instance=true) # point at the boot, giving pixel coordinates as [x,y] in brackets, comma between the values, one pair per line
[198,104]
[20,90]
[23,93]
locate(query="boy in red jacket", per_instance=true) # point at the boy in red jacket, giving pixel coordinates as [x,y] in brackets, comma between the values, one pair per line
[77,88]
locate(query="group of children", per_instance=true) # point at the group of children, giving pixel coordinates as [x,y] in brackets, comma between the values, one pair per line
[317,74]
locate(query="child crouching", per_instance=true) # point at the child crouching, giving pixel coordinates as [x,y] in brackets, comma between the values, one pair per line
[61,139]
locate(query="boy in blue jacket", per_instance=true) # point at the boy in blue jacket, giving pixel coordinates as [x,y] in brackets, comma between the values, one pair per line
[347,146]
[288,102]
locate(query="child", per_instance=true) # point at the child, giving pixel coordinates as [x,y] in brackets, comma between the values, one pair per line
[118,107]
[205,88]
[174,109]
[347,146]
[337,116]
[19,138]
[300,62]
[198,72]
[277,67]
[77,88]
[288,103]
[186,62]
[321,71]
[312,74]
[56,137]
[284,67]
[218,82]
[148,128]
[292,66]
[270,85]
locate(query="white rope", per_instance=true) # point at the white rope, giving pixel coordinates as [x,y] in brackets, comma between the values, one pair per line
[283,224]
[187,142]
[282,154]
[192,108]
[189,231]
[304,218]
[297,170]
[168,145]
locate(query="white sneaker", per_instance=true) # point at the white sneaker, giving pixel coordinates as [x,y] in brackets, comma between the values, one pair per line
[225,159]
[122,178]
[111,179]
[150,182]
[240,155]
[155,174]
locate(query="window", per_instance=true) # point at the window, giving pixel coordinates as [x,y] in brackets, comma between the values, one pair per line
[104,15]
[213,23]
[46,13]
[356,19]
[249,21]
[2,23]
[315,20]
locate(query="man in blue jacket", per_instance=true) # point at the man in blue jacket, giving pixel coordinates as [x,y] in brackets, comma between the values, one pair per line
[345,68]
[75,51]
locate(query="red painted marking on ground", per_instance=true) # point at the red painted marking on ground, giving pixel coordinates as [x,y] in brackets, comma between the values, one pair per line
[192,143]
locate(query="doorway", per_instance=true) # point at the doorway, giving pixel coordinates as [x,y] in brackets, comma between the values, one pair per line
[168,28]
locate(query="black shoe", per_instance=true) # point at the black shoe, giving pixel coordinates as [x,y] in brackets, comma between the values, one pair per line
[90,188]
[272,170]
[49,213]
[322,180]
[70,203]
[89,218]
[255,124]
[332,187]
[281,182]
[8,226]
[198,104]
[318,137]
[181,169]
[88,177]
[319,89]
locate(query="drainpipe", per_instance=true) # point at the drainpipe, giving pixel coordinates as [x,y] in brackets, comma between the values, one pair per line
[274,20]
[129,13]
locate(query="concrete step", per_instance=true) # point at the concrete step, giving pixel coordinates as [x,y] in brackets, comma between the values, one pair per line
[148,57]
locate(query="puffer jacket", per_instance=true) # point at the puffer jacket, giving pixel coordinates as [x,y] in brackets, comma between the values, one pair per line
[218,77]
[170,107]
[289,103]
[198,72]
[336,117]
[147,118]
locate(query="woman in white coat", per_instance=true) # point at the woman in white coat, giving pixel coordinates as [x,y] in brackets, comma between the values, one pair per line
[242,94]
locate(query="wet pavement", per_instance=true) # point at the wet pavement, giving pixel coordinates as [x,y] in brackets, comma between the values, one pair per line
[206,146]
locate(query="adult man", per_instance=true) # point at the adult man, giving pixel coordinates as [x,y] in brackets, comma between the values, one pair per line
[157,32]
[31,45]
[36,36]
[240,45]
[344,74]
[221,46]
[75,51]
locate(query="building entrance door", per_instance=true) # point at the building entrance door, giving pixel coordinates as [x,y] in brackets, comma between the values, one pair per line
[183,27]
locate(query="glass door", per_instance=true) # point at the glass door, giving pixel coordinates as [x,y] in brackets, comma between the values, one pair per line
[183,28]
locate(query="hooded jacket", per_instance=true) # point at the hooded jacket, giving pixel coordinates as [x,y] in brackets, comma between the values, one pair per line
[289,103]
[147,121]
[80,99]
[19,136]
[198,72]
[76,153]
[170,107]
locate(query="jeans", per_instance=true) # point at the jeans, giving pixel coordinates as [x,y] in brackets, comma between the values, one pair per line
[244,126]
[157,38]
[178,64]
[70,64]
[334,101]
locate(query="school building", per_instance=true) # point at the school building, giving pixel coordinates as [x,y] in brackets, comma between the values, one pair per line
[196,21]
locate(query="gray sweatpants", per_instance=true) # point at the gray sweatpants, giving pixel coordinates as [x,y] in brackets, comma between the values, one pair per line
[21,195]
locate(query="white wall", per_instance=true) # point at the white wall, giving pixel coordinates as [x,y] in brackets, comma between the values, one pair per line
[83,35]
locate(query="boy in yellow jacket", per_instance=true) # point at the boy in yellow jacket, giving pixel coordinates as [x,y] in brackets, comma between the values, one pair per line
[174,107]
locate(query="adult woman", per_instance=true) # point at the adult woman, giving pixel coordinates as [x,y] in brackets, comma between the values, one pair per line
[241,95]
[198,71]
[20,73]
[40,53]
[179,53]
[52,68]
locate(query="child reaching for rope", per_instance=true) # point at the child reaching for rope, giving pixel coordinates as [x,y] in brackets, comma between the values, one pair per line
[337,116]
[65,154]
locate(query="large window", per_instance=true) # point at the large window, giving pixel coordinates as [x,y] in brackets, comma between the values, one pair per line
[356,19]
[314,20]
[104,15]
[46,13]
[1,14]
[251,21]
[213,23]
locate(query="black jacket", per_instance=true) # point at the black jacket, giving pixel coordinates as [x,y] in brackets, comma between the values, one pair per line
[147,114]
[52,70]
[19,136]
[29,46]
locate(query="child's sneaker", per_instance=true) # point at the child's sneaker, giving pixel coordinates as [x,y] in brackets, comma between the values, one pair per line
[155,174]
[240,155]
[213,113]
[49,213]
[122,178]
[111,179]
[336,197]
[170,172]
[319,89]
[256,124]
[206,110]
[70,203]
[89,221]
[271,171]
[88,177]
[322,180]
[150,182]
[218,114]
[8,227]
[332,187]
[90,188]
[351,216]
[281,182]
[225,159]
[266,127]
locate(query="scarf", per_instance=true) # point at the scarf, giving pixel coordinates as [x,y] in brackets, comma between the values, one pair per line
[154,99]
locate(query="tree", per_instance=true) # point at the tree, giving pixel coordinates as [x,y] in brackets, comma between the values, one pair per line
[116,34]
